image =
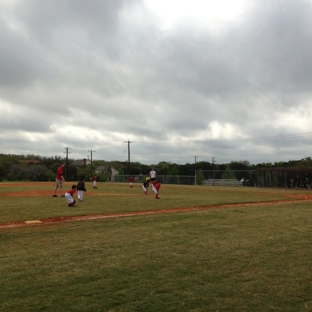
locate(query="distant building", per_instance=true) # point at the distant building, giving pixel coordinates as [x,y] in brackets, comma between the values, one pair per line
[30,162]
[81,162]
[110,171]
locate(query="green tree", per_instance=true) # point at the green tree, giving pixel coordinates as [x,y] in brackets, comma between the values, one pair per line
[17,172]
[200,177]
[162,168]
[305,162]
[228,173]
[173,174]
[37,173]
[240,165]
[72,173]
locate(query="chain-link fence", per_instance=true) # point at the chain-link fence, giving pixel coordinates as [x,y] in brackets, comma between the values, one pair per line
[288,178]
[165,179]
[296,179]
[215,177]
[226,177]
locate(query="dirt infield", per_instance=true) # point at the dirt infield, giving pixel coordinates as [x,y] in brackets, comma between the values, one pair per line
[48,193]
[298,198]
[30,193]
[293,198]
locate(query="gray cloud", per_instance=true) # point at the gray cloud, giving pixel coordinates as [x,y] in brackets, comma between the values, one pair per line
[94,74]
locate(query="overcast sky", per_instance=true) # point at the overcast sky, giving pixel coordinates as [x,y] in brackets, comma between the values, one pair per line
[228,80]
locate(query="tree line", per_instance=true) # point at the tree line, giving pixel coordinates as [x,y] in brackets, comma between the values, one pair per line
[39,168]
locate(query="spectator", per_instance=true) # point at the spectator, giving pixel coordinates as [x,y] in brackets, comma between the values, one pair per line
[152,175]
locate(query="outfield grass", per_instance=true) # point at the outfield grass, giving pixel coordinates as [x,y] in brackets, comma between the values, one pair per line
[118,197]
[247,258]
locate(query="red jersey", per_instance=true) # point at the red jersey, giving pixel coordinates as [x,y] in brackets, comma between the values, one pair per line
[59,173]
[131,179]
[157,186]
[71,192]
[94,178]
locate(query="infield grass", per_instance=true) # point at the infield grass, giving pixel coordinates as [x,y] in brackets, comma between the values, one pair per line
[29,201]
[255,258]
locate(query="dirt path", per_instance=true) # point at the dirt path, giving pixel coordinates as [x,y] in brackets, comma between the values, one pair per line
[296,199]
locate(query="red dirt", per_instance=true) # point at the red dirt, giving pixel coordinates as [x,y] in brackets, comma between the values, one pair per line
[293,198]
[48,193]
[145,212]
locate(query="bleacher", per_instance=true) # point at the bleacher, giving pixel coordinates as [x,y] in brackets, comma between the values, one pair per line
[222,182]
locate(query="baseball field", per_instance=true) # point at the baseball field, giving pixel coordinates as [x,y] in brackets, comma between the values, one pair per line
[198,248]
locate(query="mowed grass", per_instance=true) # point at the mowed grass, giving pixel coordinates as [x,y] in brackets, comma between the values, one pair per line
[119,197]
[247,258]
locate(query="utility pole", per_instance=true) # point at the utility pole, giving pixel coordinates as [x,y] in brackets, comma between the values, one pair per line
[66,163]
[91,160]
[195,158]
[213,158]
[214,172]
[128,164]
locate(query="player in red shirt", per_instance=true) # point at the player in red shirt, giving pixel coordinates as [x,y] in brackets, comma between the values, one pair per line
[59,179]
[156,186]
[94,179]
[69,196]
[131,179]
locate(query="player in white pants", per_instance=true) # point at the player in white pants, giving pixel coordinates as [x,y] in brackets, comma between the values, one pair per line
[94,179]
[145,187]
[69,196]
[81,188]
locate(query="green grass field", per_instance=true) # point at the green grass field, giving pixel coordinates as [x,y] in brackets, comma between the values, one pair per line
[241,258]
